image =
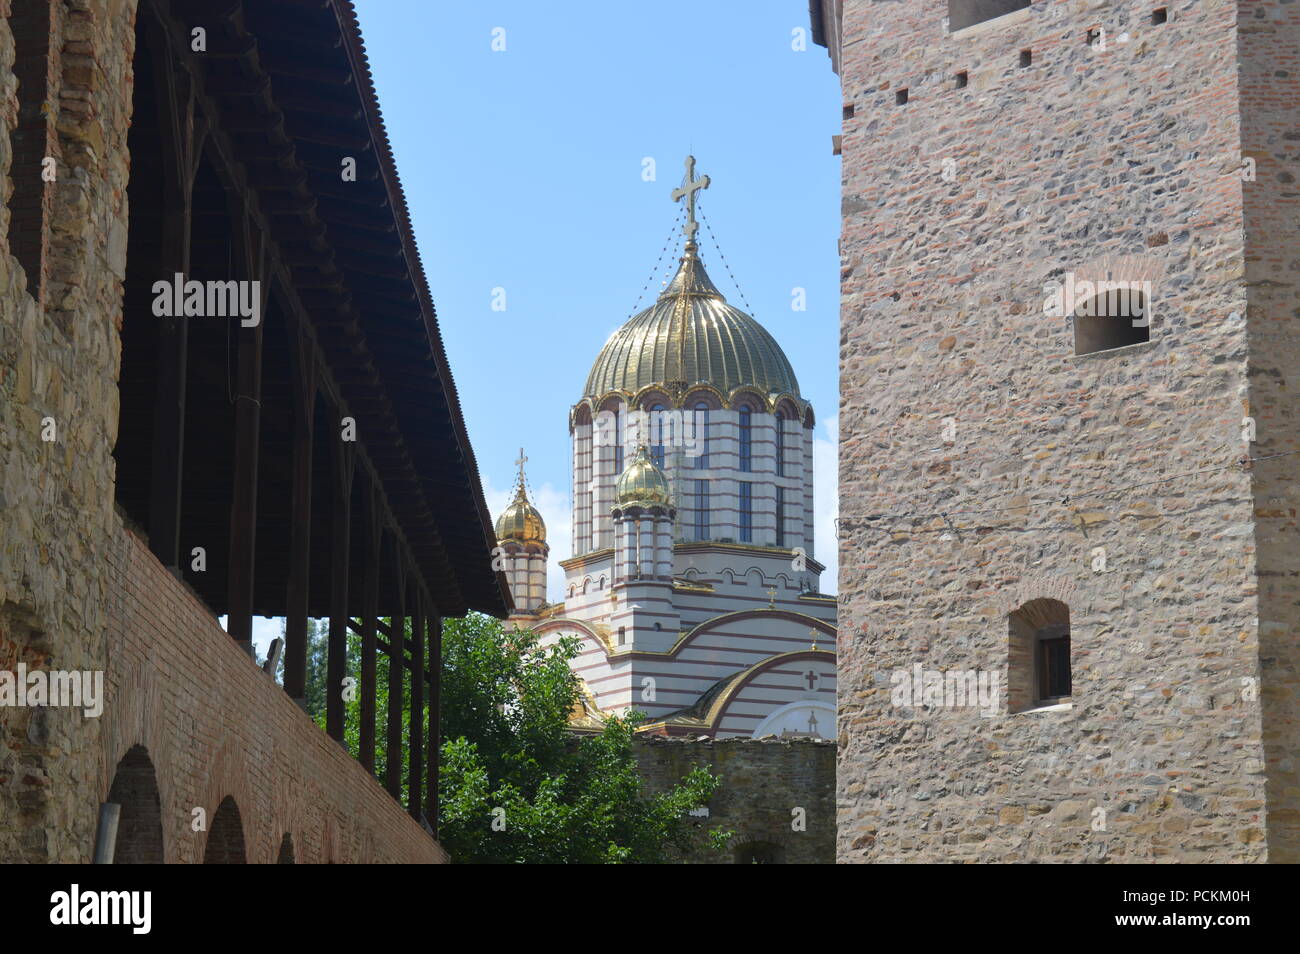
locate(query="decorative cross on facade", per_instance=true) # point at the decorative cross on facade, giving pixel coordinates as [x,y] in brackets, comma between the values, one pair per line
[687,190]
[812,679]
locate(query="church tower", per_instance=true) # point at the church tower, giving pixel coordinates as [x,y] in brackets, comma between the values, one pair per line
[692,586]
[521,536]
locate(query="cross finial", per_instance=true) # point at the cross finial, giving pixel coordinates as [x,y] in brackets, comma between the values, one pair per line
[690,185]
[771,599]
[814,638]
[520,464]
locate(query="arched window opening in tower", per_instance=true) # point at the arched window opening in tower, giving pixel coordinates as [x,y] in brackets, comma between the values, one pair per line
[780,516]
[1038,670]
[746,511]
[746,440]
[1116,317]
[657,428]
[964,13]
[780,444]
[701,510]
[702,436]
[618,442]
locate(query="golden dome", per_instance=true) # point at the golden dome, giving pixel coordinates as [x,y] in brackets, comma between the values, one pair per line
[643,483]
[691,336]
[520,521]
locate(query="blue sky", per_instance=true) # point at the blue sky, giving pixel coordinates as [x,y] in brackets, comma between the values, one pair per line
[523,169]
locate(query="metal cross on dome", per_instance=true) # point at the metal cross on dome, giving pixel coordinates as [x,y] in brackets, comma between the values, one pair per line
[690,185]
[520,464]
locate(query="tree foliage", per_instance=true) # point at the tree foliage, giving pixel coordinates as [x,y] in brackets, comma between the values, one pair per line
[516,784]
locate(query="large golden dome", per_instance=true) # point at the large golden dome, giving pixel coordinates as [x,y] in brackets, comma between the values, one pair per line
[643,483]
[691,336]
[520,521]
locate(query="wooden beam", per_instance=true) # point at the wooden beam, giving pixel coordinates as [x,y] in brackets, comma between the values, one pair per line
[250,262]
[393,755]
[415,732]
[435,717]
[303,372]
[343,460]
[374,537]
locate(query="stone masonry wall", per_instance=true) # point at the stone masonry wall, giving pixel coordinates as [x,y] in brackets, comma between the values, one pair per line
[1092,140]
[1269,96]
[78,591]
[58,372]
[763,780]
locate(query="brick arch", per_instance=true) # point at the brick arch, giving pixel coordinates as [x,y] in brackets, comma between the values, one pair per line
[225,844]
[227,777]
[133,717]
[1042,585]
[139,827]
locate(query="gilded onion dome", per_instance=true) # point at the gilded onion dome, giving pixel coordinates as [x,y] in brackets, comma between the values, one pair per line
[520,521]
[642,483]
[691,336]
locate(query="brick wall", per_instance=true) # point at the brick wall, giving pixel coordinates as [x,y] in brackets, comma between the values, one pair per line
[763,782]
[215,726]
[78,592]
[960,204]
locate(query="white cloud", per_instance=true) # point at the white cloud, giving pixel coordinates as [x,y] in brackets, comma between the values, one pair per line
[553,505]
[826,501]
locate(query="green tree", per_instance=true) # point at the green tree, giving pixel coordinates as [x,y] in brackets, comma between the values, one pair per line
[517,785]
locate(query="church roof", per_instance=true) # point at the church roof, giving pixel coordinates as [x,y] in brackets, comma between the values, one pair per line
[690,336]
[521,521]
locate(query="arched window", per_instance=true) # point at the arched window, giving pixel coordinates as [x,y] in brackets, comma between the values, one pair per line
[746,512]
[618,441]
[657,435]
[780,444]
[1038,671]
[746,440]
[702,435]
[780,516]
[139,826]
[225,836]
[1116,317]
[701,510]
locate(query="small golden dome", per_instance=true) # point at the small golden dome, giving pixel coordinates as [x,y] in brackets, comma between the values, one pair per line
[643,483]
[520,521]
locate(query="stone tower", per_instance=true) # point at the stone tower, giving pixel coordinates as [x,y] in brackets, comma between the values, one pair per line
[1068,542]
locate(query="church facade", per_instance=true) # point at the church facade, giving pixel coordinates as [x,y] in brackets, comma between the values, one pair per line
[692,587]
